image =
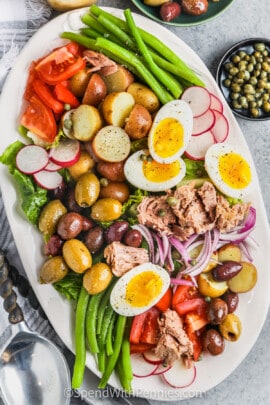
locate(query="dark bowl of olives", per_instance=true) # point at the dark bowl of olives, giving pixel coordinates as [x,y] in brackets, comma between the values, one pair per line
[243,76]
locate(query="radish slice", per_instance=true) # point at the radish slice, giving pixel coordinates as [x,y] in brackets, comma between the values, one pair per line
[203,123]
[66,153]
[198,146]
[221,128]
[216,104]
[151,357]
[178,376]
[198,99]
[161,369]
[48,180]
[31,159]
[140,367]
[52,167]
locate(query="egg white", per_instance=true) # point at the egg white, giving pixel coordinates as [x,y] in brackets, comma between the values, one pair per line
[117,298]
[133,171]
[181,111]
[212,157]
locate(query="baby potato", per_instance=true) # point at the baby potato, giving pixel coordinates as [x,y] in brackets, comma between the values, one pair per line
[145,96]
[116,107]
[213,259]
[97,278]
[106,209]
[53,270]
[245,280]
[76,255]
[95,91]
[79,81]
[83,165]
[115,189]
[87,122]
[49,217]
[119,80]
[228,252]
[209,287]
[139,122]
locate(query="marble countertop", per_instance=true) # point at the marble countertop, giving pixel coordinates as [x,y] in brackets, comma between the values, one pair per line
[249,383]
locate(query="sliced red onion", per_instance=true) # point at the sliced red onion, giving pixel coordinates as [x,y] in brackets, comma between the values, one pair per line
[182,281]
[160,248]
[180,248]
[203,257]
[148,237]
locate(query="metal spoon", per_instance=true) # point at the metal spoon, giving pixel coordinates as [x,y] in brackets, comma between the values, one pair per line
[32,369]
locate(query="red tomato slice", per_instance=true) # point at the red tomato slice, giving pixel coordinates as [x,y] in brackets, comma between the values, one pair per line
[64,95]
[150,330]
[136,327]
[184,292]
[33,75]
[39,119]
[196,321]
[194,304]
[60,65]
[196,340]
[45,94]
[165,301]
[140,347]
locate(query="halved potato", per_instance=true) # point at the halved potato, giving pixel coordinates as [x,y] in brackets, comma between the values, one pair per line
[116,108]
[78,82]
[118,81]
[229,252]
[95,91]
[111,144]
[245,280]
[83,165]
[87,122]
[139,122]
[65,5]
[209,287]
[212,262]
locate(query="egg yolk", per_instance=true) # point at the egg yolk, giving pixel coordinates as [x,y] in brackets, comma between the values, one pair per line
[160,172]
[143,289]
[234,170]
[168,137]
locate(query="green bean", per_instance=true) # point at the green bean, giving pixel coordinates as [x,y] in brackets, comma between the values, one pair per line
[155,44]
[103,305]
[112,360]
[121,35]
[91,320]
[133,60]
[105,324]
[171,84]
[101,358]
[109,337]
[80,349]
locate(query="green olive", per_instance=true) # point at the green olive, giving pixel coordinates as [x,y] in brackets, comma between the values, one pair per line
[87,190]
[49,217]
[77,256]
[231,327]
[53,270]
[106,209]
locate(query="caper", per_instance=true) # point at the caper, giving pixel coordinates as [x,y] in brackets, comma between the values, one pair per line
[263,75]
[261,84]
[267,85]
[242,65]
[143,157]
[172,201]
[68,123]
[236,105]
[265,52]
[266,106]
[242,54]
[247,57]
[265,97]
[235,58]
[258,66]
[104,182]
[227,82]
[238,81]
[235,88]
[255,112]
[241,74]
[260,46]
[234,96]
[252,59]
[257,54]
[243,101]
[253,80]
[161,213]
[233,71]
[256,72]
[252,104]
[249,89]
[228,66]
[250,97]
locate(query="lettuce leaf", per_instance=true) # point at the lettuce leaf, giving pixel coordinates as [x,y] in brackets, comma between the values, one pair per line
[70,286]
[32,197]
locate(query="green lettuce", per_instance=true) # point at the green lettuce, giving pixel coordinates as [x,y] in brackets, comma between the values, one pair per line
[70,286]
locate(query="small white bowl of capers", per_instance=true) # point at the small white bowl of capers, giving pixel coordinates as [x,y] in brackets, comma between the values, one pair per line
[243,75]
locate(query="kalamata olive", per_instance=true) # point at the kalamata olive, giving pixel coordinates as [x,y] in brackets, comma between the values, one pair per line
[54,269]
[133,238]
[106,209]
[170,10]
[213,342]
[231,299]
[115,189]
[54,246]
[49,217]
[71,203]
[59,192]
[217,311]
[76,255]
[113,171]
[69,225]
[97,278]
[115,232]
[87,223]
[87,190]
[94,239]
[231,327]
[226,270]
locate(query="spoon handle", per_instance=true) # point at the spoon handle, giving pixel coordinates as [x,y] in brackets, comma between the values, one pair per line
[10,304]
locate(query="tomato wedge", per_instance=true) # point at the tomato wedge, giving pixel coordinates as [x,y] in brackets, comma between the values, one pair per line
[60,64]
[165,301]
[46,95]
[140,347]
[150,330]
[63,94]
[39,119]
[136,327]
[194,304]
[182,293]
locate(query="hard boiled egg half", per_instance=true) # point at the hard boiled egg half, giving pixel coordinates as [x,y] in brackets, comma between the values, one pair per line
[143,172]
[139,289]
[229,169]
[171,131]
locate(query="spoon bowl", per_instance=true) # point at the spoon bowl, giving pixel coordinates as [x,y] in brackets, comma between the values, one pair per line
[32,369]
